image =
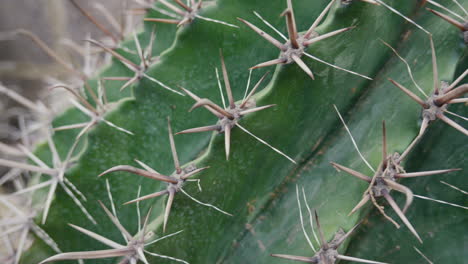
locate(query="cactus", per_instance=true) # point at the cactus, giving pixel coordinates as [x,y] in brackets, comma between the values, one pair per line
[246,208]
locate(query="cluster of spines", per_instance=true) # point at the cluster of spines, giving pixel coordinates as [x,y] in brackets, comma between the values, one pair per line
[294,38]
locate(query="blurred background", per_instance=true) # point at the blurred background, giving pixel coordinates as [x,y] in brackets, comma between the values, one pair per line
[27,70]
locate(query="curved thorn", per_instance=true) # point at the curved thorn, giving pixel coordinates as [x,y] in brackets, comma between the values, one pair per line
[400,214]
[453,94]
[403,189]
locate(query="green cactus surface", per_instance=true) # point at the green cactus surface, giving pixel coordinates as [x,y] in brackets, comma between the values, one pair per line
[257,185]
